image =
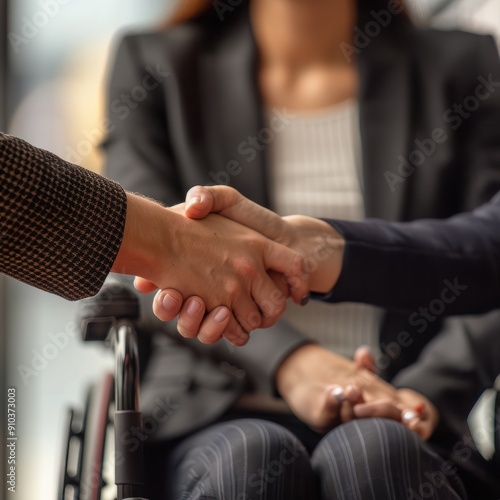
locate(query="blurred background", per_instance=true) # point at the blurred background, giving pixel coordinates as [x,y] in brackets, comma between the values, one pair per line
[54,55]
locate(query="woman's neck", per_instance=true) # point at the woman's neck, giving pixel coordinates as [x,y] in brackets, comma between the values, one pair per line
[303,32]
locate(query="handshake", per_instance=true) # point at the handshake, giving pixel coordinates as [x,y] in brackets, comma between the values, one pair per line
[227,266]
[223,264]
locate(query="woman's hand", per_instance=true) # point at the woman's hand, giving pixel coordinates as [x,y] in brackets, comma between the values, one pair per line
[310,380]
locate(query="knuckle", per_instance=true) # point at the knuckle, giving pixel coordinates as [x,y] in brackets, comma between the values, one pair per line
[246,267]
[232,288]
[251,321]
[185,330]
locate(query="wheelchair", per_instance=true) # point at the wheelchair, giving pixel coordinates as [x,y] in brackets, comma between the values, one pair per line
[99,460]
[98,453]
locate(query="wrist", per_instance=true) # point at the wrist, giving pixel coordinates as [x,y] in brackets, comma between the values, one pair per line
[147,223]
[292,370]
[329,255]
[323,248]
[289,371]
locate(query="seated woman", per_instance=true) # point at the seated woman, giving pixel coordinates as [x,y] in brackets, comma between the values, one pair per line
[330,109]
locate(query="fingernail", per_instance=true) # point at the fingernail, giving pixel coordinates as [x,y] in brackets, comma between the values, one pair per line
[255,320]
[193,307]
[352,392]
[338,394]
[168,302]
[305,299]
[408,415]
[221,315]
[361,411]
[193,200]
[419,409]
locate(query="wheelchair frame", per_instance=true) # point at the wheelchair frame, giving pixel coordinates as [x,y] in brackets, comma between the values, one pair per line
[108,317]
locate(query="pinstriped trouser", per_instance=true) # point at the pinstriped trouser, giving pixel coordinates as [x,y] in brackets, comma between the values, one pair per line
[250,459]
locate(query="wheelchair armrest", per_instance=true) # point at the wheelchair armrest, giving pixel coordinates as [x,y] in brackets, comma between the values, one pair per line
[98,314]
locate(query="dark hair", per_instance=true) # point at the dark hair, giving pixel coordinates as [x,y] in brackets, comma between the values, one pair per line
[191,9]
[186,10]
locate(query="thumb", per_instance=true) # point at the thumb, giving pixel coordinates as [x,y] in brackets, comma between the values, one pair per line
[199,202]
[226,201]
[203,200]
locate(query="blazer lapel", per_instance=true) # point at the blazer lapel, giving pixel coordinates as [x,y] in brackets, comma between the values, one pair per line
[232,109]
[385,117]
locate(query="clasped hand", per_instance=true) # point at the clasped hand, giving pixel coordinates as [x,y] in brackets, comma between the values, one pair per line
[254,249]
[324,389]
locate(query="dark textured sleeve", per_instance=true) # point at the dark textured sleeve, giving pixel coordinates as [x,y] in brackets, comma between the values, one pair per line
[407,265]
[61,225]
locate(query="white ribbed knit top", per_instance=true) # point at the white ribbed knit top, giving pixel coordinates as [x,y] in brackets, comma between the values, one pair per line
[315,163]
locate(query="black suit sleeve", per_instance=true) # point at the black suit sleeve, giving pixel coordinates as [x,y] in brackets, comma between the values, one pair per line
[61,226]
[407,265]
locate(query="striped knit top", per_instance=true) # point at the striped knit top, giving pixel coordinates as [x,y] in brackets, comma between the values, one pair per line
[316,170]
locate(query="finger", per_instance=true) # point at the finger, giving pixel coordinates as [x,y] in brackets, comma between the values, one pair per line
[363,358]
[200,202]
[408,415]
[354,397]
[353,394]
[424,428]
[283,260]
[326,415]
[247,314]
[167,304]
[235,334]
[144,286]
[214,325]
[418,420]
[346,413]
[227,201]
[382,409]
[271,301]
[191,317]
[334,399]
[280,282]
